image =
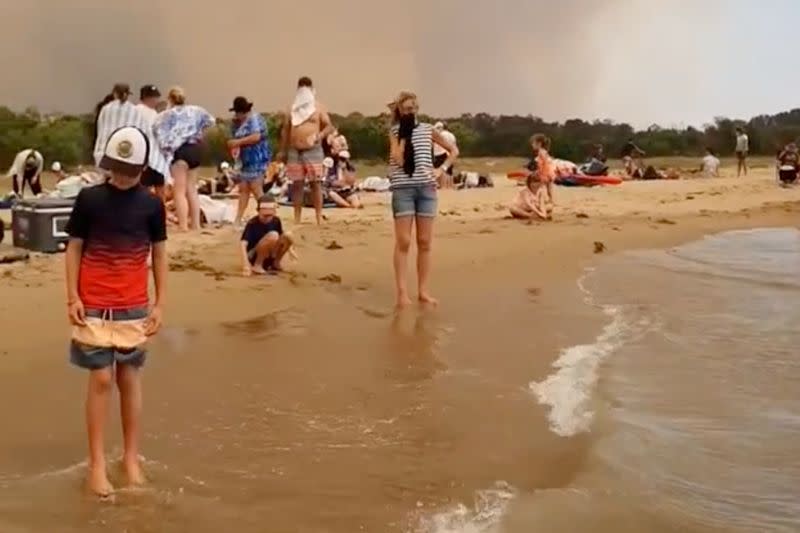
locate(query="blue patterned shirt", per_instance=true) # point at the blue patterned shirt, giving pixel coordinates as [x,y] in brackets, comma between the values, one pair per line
[180,125]
[254,158]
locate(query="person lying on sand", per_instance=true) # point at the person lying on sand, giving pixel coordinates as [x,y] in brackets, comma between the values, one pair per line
[263,242]
[531,202]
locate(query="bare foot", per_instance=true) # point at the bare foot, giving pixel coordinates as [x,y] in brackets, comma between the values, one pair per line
[425,298]
[98,483]
[133,473]
[259,270]
[403,301]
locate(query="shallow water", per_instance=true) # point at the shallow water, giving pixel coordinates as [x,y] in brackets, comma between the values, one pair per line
[330,414]
[693,389]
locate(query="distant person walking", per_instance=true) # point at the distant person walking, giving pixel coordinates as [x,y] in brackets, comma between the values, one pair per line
[117,113]
[414,198]
[307,125]
[179,132]
[156,175]
[250,138]
[27,169]
[742,149]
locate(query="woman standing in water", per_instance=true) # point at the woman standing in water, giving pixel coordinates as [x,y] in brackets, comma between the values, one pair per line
[179,131]
[249,131]
[414,197]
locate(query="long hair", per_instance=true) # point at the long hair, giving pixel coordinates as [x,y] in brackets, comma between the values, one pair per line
[106,99]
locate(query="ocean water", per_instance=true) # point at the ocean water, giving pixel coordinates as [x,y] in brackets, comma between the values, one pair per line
[689,396]
[678,410]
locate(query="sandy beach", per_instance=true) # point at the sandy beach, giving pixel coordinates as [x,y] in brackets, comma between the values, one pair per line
[303,402]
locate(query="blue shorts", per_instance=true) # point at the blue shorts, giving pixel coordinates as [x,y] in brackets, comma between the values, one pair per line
[110,337]
[416,200]
[251,175]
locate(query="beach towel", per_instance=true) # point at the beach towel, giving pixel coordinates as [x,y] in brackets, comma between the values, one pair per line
[217,211]
[375,184]
[304,106]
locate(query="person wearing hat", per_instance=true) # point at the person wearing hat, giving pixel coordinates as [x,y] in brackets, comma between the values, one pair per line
[340,184]
[113,229]
[156,175]
[249,136]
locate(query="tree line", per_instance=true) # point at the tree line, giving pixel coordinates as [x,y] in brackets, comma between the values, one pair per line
[68,138]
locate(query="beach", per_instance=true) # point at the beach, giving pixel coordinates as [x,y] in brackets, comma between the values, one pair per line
[302,402]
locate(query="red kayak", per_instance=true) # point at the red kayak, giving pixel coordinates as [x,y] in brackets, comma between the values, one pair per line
[581,180]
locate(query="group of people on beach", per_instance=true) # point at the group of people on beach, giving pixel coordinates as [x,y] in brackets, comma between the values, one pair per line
[119,226]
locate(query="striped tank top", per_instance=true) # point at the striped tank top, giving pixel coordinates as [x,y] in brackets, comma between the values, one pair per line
[422,139]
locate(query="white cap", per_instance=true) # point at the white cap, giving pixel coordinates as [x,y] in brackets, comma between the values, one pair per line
[224,165]
[127,151]
[344,154]
[56,166]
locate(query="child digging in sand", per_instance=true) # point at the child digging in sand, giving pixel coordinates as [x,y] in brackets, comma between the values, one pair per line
[113,228]
[264,242]
[531,202]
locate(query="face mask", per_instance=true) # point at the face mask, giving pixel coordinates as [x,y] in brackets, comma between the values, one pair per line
[408,121]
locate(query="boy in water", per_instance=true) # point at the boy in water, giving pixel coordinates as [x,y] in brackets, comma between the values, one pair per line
[113,228]
[264,242]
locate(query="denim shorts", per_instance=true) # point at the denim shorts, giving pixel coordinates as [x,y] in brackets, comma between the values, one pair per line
[252,175]
[109,337]
[416,200]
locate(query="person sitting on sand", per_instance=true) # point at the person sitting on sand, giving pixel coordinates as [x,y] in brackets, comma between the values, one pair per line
[545,166]
[788,164]
[264,242]
[632,159]
[710,165]
[58,170]
[531,202]
[340,184]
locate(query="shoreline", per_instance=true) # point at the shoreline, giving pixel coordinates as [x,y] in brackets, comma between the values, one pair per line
[322,343]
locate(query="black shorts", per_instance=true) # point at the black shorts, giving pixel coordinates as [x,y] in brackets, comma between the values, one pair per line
[741,156]
[787,176]
[189,153]
[439,161]
[152,178]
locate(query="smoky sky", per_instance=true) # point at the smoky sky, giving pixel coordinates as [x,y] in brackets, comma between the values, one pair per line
[571,58]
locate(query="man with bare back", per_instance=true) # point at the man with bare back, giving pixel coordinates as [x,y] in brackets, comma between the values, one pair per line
[306,125]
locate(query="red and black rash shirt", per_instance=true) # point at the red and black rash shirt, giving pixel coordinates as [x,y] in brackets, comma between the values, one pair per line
[118,228]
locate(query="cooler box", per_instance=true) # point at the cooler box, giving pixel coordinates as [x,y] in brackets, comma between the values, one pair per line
[39,224]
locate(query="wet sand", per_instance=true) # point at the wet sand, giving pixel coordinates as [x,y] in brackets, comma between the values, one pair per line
[302,403]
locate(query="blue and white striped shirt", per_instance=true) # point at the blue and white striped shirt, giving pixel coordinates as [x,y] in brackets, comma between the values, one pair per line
[113,116]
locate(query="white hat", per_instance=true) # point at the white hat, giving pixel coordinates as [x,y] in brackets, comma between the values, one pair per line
[224,165]
[344,154]
[127,151]
[56,166]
